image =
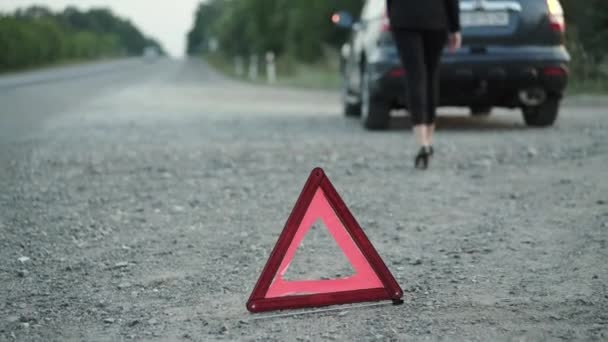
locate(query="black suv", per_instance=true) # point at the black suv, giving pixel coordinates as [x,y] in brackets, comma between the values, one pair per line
[512,56]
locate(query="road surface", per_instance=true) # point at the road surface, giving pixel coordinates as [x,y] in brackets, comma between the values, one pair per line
[141,201]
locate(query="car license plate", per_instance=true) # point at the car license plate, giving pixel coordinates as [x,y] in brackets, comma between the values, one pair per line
[479,18]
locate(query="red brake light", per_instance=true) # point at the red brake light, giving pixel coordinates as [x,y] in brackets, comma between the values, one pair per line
[554,71]
[557,24]
[386,23]
[335,18]
[397,72]
[556,16]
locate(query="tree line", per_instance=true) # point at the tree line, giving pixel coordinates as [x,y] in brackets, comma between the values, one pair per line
[298,28]
[36,36]
[301,28]
[587,37]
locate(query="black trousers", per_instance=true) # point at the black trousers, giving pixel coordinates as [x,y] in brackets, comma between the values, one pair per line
[420,52]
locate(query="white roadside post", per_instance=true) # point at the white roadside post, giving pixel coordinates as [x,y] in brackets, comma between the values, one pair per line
[214,45]
[271,70]
[253,67]
[239,67]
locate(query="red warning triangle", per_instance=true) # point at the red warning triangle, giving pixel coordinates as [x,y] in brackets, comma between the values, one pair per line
[372,280]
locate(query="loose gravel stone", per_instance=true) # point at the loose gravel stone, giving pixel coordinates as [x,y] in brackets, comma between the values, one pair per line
[532,152]
[123,286]
[122,264]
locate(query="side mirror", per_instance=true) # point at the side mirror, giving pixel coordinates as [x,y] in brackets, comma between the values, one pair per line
[343,19]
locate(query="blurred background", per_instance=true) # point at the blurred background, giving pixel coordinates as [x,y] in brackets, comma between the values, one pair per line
[36,33]
[302,35]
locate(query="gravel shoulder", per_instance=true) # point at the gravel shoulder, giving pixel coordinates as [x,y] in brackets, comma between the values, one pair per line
[147,210]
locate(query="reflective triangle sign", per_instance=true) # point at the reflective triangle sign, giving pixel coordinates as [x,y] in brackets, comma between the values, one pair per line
[371,281]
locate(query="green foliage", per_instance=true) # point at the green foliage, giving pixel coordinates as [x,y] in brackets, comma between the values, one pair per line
[589,19]
[298,28]
[587,41]
[36,36]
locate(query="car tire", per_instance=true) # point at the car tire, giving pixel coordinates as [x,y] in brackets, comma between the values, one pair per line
[350,109]
[375,112]
[481,110]
[543,115]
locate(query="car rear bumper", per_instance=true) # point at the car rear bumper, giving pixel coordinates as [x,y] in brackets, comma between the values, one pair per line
[493,78]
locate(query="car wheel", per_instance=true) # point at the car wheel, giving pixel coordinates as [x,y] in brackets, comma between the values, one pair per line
[351,109]
[543,115]
[481,110]
[375,113]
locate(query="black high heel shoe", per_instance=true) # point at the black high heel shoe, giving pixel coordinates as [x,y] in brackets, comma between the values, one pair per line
[422,159]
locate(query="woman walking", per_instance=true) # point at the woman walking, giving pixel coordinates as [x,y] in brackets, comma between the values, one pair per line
[421,29]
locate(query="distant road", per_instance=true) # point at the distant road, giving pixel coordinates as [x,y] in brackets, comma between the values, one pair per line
[28,98]
[55,74]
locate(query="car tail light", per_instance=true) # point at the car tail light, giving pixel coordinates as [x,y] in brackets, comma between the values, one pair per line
[397,72]
[554,71]
[556,16]
[386,36]
[386,23]
[335,18]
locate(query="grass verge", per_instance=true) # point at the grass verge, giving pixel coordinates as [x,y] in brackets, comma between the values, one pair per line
[592,87]
[289,73]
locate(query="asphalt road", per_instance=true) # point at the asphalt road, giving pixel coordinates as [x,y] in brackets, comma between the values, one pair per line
[140,202]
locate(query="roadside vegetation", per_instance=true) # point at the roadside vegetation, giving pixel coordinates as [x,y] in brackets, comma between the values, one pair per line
[37,36]
[299,32]
[321,74]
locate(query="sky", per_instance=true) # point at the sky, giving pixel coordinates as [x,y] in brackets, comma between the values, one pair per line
[167,21]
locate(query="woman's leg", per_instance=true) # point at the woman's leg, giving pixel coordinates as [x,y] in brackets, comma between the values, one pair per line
[434,42]
[411,50]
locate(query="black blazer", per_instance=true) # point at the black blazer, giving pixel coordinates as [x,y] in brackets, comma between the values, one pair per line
[424,14]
